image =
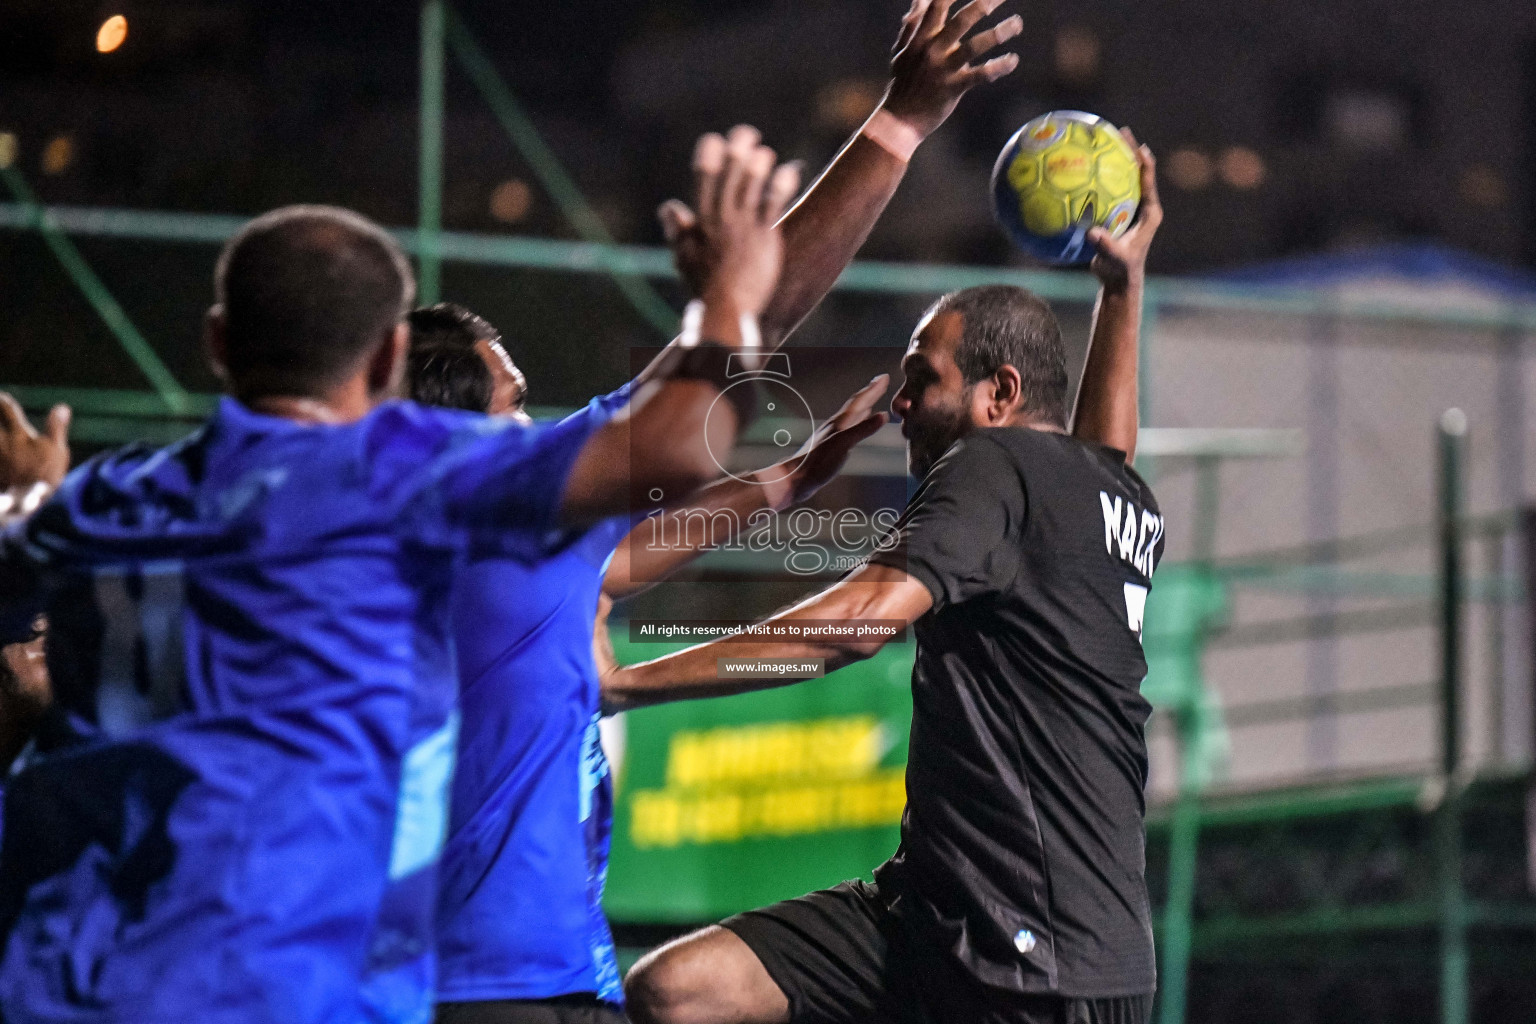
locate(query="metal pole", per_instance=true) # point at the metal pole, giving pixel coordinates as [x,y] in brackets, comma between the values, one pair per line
[1183,856]
[1184,828]
[551,173]
[1452,894]
[429,251]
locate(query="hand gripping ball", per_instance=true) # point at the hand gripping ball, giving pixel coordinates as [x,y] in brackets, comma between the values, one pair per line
[1060,175]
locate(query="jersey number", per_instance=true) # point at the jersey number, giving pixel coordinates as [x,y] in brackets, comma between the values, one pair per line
[1135,607]
[143,668]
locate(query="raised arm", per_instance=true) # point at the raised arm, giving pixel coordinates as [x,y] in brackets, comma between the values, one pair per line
[32,465]
[638,563]
[29,459]
[1106,409]
[873,592]
[669,437]
[934,65]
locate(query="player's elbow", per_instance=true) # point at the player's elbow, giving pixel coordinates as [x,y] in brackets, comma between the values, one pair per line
[859,647]
[859,650]
[618,692]
[704,977]
[863,627]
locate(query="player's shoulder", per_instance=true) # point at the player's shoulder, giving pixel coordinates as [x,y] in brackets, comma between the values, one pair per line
[406,438]
[1025,450]
[137,500]
[976,462]
[604,407]
[1060,453]
[137,482]
[399,421]
[979,450]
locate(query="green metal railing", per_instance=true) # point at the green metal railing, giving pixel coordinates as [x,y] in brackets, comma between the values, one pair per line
[166,409]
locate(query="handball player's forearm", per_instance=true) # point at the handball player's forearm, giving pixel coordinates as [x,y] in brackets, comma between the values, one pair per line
[656,443]
[720,320]
[665,440]
[1107,410]
[638,564]
[694,673]
[872,593]
[826,228]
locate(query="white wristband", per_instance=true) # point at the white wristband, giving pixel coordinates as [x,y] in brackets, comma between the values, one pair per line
[693,316]
[751,342]
[892,134]
[693,320]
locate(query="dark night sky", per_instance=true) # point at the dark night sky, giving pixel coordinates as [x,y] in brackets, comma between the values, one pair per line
[1373,122]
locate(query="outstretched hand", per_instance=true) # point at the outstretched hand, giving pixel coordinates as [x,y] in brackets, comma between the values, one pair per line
[824,455]
[935,64]
[28,458]
[728,247]
[1121,261]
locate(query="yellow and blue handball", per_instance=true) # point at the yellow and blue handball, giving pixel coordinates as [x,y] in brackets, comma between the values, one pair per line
[1060,175]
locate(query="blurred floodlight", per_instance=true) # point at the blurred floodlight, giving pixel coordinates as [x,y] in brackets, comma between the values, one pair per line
[58,155]
[1077,54]
[111,34]
[511,201]
[1481,185]
[845,104]
[1368,119]
[1242,168]
[1190,169]
[7,149]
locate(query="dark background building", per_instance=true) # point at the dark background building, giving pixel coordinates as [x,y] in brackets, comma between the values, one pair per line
[1283,127]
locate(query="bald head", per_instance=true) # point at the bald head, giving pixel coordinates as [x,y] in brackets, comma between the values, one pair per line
[307,294]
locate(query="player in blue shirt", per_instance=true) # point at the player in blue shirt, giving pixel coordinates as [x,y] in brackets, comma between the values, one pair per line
[237,800]
[522,933]
[522,929]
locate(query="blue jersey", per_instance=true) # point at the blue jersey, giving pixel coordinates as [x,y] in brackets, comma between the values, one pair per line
[520,912]
[236,808]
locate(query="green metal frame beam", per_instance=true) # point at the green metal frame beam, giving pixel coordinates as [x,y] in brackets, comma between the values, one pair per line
[864,276]
[546,166]
[173,396]
[1287,804]
[1455,983]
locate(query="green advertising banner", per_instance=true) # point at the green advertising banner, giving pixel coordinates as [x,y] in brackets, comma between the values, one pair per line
[732,803]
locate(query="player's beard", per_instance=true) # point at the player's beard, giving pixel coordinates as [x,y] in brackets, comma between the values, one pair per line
[930,434]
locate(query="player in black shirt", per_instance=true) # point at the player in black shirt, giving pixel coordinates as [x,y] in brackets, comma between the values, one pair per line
[1024,561]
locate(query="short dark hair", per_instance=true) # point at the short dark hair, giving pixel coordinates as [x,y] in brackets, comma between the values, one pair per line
[307,293]
[1004,325]
[443,367]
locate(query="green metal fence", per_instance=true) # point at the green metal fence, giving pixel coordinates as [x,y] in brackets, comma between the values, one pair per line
[1192,596]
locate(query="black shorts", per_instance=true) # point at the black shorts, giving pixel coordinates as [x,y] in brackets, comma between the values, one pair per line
[841,956]
[575,1009]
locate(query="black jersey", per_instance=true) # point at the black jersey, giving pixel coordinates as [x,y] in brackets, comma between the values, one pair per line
[1023,842]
